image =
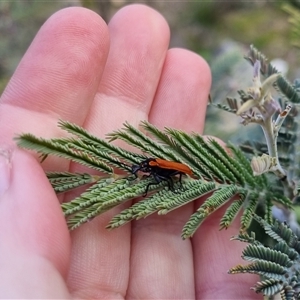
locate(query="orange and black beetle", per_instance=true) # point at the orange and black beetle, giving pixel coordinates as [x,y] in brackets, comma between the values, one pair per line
[160,170]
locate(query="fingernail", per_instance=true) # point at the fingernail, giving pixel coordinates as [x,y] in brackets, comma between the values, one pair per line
[5,170]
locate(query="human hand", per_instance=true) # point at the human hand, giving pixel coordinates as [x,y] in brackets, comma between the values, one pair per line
[98,76]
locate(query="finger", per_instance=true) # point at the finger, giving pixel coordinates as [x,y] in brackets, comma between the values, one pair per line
[210,261]
[35,243]
[214,255]
[58,76]
[139,41]
[182,94]
[159,255]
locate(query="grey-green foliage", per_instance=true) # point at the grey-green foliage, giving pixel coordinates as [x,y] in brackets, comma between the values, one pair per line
[285,88]
[220,175]
[279,267]
[65,181]
[288,136]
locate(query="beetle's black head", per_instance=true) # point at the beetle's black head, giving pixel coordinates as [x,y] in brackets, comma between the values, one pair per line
[143,166]
[135,169]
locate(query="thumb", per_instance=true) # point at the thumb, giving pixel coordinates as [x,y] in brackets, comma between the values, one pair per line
[35,243]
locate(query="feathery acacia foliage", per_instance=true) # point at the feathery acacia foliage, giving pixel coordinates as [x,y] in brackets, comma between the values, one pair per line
[220,175]
[288,135]
[279,267]
[65,181]
[225,177]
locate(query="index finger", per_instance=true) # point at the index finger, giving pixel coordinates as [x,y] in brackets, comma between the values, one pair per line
[57,77]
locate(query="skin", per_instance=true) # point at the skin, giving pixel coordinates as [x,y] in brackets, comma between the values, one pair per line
[98,76]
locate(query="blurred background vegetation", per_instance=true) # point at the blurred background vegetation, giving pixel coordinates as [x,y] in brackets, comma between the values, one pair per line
[221,31]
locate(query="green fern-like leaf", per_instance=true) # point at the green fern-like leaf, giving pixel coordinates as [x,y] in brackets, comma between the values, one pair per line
[266,68]
[225,177]
[231,212]
[65,181]
[280,266]
[162,202]
[232,106]
[214,202]
[62,148]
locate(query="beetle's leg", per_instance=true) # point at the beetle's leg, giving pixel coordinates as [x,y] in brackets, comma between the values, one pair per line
[157,179]
[179,180]
[168,179]
[170,184]
[180,177]
[147,188]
